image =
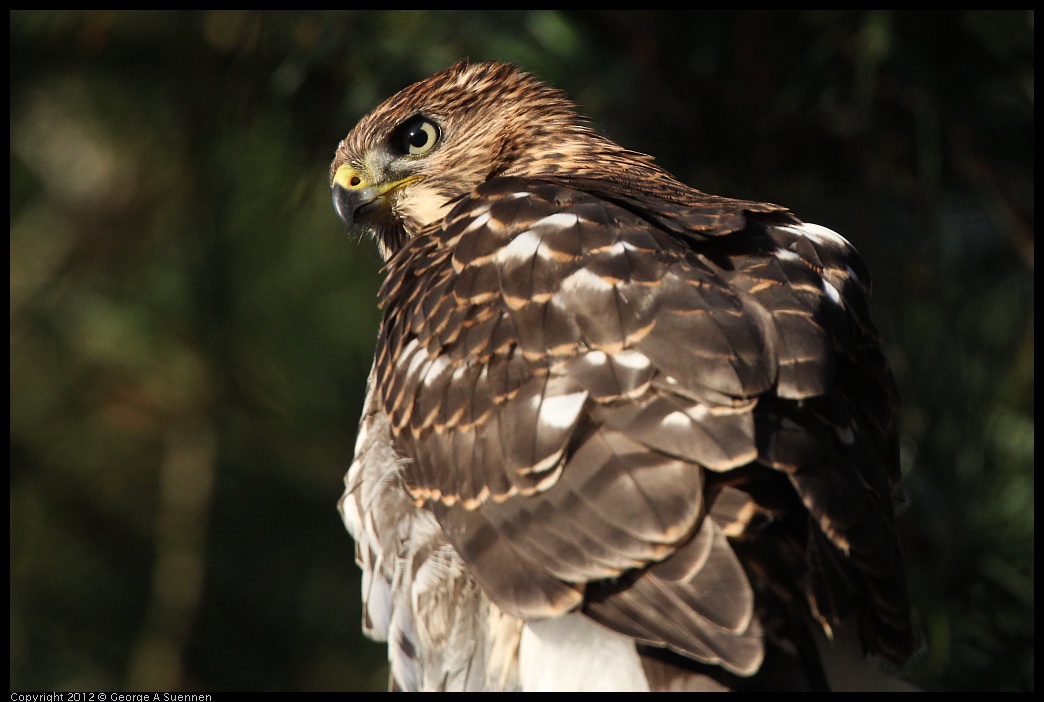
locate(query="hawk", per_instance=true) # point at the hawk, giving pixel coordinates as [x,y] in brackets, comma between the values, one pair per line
[620,434]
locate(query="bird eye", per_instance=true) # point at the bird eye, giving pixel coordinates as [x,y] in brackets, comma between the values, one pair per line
[418,136]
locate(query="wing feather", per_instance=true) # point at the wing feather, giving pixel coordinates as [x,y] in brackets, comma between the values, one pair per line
[583,367]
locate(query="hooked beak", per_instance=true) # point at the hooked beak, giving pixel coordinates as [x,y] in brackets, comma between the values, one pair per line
[360,202]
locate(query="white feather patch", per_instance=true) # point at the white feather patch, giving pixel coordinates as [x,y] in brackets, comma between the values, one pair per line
[632,359]
[561,412]
[572,653]
[523,247]
[561,220]
[584,279]
[832,292]
[479,221]
[819,233]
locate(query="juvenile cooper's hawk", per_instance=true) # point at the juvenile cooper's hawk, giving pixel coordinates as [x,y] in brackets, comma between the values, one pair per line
[620,434]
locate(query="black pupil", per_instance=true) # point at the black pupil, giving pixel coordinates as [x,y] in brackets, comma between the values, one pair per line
[417,137]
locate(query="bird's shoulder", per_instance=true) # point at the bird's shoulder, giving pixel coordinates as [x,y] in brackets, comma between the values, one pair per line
[561,268]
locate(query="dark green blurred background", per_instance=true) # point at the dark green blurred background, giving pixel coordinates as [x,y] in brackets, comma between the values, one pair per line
[191,327]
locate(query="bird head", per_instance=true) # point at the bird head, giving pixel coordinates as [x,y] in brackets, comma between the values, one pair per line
[405,163]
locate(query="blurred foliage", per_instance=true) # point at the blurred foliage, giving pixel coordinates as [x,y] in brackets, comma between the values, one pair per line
[191,328]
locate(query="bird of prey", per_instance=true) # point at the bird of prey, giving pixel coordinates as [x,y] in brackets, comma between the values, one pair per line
[620,434]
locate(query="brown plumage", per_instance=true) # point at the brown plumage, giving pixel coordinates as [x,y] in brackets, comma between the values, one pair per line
[605,401]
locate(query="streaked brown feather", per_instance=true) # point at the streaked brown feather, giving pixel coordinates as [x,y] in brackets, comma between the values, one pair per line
[729,331]
[616,393]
